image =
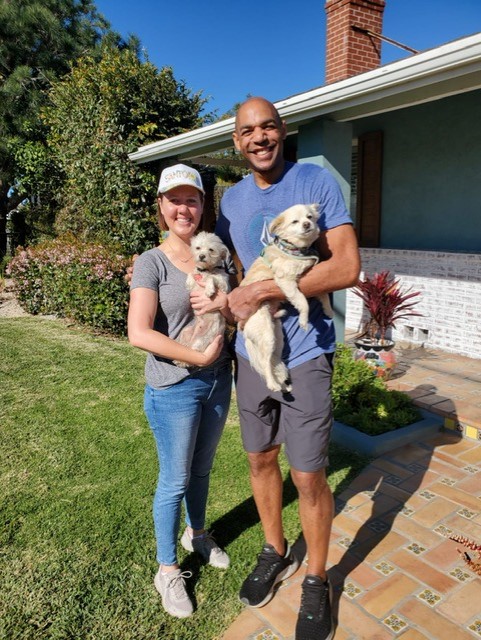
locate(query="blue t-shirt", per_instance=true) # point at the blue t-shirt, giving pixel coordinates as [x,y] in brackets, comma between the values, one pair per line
[246,211]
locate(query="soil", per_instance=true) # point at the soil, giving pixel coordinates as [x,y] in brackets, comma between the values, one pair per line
[9,307]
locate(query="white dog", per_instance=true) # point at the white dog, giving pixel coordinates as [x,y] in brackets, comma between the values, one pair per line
[284,260]
[209,254]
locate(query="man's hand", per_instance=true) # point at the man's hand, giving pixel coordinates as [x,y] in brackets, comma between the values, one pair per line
[244,301]
[130,269]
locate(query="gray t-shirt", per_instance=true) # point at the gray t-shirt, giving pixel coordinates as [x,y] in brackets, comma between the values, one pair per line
[153,270]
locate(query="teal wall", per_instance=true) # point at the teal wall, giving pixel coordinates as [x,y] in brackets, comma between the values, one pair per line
[431,194]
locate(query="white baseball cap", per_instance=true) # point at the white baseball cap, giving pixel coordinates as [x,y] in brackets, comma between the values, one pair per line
[179,175]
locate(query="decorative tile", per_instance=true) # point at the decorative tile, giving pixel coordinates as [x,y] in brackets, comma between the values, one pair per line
[471,432]
[351,590]
[415,548]
[448,481]
[378,526]
[395,623]
[430,597]
[370,494]
[476,627]
[443,530]
[347,543]
[470,469]
[415,467]
[466,513]
[427,494]
[460,575]
[392,479]
[384,567]
[267,634]
[406,511]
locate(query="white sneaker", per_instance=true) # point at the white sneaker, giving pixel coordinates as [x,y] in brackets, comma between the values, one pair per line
[207,547]
[171,587]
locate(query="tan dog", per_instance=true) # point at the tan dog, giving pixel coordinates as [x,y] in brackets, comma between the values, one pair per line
[209,254]
[284,260]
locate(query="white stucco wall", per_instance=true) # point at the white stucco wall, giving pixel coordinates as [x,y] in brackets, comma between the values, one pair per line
[450,301]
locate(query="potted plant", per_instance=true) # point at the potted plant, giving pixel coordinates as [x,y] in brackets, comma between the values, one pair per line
[385,304]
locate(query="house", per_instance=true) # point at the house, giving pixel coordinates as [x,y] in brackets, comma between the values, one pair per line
[404,142]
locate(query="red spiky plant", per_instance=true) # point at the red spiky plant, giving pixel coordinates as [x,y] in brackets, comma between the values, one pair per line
[472,564]
[385,303]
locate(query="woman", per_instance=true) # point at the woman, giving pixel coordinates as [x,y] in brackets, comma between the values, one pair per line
[186,407]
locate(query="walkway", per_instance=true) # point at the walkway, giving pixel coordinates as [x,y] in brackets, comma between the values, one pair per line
[395,572]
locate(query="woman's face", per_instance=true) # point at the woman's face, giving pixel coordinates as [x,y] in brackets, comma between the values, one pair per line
[182,210]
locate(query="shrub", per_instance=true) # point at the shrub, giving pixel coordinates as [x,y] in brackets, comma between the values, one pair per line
[84,282]
[362,400]
[385,303]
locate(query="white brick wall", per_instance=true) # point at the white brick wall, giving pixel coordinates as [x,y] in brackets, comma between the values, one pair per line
[450,301]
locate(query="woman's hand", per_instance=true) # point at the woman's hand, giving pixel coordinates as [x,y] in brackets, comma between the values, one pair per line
[212,352]
[201,303]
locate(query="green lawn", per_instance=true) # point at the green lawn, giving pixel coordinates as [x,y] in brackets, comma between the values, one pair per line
[77,476]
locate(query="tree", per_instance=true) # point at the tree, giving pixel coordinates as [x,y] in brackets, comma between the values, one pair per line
[99,113]
[38,40]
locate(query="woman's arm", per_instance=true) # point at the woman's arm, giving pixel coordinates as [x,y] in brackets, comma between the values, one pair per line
[142,310]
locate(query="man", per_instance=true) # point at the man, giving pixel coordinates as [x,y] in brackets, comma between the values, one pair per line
[302,419]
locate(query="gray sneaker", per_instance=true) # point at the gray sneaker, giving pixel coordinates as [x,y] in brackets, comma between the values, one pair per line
[208,549]
[171,587]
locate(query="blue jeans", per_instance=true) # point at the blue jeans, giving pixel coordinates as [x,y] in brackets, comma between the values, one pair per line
[187,420]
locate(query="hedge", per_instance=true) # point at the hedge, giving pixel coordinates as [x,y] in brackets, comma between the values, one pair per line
[73,279]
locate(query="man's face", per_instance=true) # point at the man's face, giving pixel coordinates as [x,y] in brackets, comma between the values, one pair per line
[259,136]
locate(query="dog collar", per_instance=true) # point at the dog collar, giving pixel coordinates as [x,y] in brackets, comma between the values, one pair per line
[293,251]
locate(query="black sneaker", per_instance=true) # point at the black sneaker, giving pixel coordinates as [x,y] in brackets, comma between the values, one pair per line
[271,568]
[315,621]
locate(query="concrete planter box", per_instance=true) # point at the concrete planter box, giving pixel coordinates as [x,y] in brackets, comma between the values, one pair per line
[374,446]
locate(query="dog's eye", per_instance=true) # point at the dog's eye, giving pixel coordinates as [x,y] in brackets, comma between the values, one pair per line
[294,221]
[309,217]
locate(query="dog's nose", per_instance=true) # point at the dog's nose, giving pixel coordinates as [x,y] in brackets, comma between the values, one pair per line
[306,224]
[201,257]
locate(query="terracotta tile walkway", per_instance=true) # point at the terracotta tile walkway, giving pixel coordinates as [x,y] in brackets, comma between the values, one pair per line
[395,572]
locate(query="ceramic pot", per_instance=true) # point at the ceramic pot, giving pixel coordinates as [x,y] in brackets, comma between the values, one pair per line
[380,357]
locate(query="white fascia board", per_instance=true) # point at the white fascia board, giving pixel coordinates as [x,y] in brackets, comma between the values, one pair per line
[434,68]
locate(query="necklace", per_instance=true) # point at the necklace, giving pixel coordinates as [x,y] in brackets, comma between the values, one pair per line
[175,255]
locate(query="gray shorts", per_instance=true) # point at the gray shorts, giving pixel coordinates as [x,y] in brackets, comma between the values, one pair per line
[301,420]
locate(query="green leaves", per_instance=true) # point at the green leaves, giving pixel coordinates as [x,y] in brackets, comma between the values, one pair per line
[84,282]
[100,112]
[362,400]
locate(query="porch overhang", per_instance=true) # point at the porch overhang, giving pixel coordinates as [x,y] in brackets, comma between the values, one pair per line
[447,70]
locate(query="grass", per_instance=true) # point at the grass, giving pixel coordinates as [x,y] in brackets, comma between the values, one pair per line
[78,471]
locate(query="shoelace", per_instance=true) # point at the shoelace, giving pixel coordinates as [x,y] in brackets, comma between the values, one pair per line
[177,583]
[265,565]
[210,543]
[313,599]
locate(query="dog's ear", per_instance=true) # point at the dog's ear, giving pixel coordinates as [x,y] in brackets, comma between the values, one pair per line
[314,209]
[275,224]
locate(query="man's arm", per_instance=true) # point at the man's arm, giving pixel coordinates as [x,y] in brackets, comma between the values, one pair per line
[339,269]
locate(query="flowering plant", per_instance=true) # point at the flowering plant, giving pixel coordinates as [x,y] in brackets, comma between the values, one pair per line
[385,303]
[73,279]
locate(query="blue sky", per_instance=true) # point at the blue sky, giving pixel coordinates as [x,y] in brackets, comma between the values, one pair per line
[229,49]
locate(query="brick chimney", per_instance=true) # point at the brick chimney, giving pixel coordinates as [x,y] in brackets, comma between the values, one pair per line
[349,50]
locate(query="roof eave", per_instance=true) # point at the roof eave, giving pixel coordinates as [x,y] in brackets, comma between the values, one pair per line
[452,68]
